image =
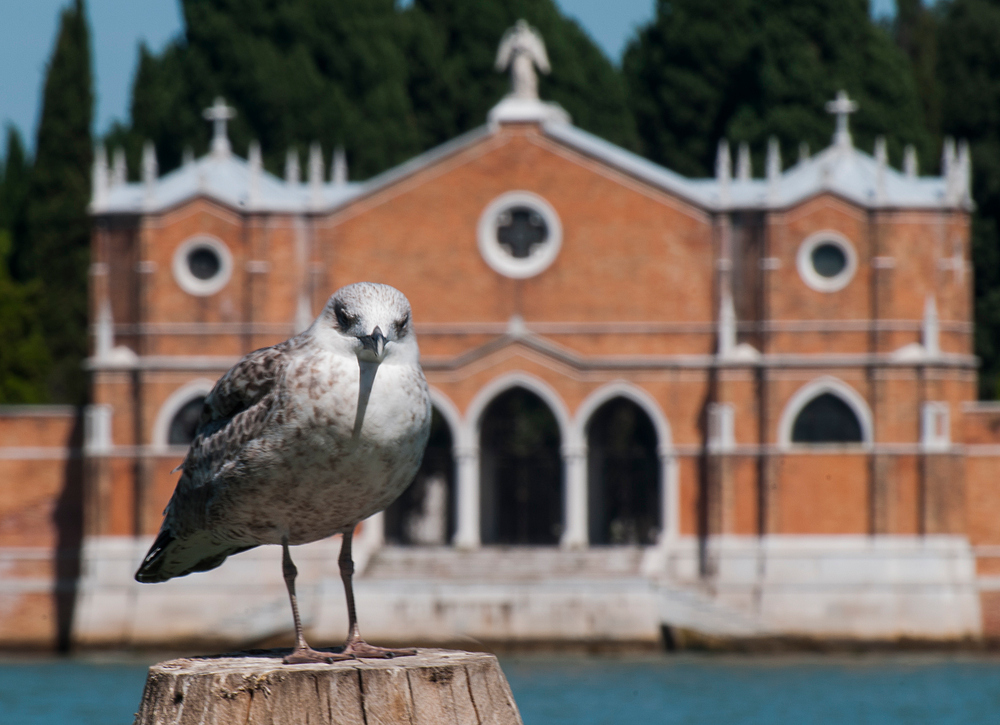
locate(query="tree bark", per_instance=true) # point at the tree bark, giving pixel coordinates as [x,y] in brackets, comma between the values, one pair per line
[435,686]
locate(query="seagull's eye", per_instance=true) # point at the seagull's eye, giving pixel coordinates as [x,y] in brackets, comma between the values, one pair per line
[401,324]
[345,321]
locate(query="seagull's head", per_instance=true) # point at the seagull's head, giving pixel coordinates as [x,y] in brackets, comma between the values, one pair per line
[372,321]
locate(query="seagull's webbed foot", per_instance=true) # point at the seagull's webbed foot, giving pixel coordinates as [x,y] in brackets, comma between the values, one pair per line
[307,655]
[358,648]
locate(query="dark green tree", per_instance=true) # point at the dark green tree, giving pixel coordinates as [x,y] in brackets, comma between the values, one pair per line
[58,224]
[454,83]
[916,29]
[748,69]
[13,198]
[383,82]
[296,71]
[24,355]
[969,72]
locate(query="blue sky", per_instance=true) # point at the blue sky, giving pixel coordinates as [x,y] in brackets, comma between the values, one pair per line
[28,28]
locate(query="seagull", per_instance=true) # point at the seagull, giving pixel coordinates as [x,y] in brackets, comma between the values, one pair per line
[301,441]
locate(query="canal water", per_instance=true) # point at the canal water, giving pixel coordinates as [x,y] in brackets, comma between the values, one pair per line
[574,690]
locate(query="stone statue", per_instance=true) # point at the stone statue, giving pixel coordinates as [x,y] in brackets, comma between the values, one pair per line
[522,50]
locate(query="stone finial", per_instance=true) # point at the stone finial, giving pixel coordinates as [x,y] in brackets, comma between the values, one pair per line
[744,166]
[947,156]
[910,164]
[964,172]
[256,161]
[292,173]
[773,168]
[119,168]
[881,162]
[842,107]
[220,114]
[150,168]
[316,173]
[338,171]
[803,152]
[522,50]
[99,177]
[723,170]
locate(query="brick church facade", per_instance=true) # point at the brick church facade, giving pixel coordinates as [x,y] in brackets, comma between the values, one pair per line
[743,406]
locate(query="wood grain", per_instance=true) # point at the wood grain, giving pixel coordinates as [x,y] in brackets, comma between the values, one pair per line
[436,686]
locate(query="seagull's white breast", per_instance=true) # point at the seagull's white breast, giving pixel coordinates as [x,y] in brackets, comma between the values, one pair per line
[337,472]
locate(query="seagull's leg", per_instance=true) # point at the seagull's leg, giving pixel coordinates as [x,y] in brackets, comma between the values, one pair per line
[355,646]
[302,652]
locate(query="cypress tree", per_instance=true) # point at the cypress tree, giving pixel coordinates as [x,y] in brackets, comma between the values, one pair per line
[916,33]
[747,69]
[969,72]
[24,360]
[384,83]
[296,71]
[58,224]
[13,198]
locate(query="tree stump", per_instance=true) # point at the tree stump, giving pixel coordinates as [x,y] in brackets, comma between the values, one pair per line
[435,686]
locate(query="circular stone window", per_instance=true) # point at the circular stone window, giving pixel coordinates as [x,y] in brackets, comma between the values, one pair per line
[519,234]
[202,266]
[827,261]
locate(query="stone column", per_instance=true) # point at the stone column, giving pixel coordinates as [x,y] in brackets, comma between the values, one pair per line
[575,533]
[669,497]
[467,531]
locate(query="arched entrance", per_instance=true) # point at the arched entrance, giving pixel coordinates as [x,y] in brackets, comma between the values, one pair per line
[521,471]
[185,422]
[623,475]
[424,513]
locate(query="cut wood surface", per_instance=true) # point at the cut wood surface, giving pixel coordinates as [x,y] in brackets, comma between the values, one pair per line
[434,686]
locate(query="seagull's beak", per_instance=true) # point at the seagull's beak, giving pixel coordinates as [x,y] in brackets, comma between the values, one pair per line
[374,343]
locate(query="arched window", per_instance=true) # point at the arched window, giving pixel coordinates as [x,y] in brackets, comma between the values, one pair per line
[623,475]
[827,419]
[185,422]
[424,513]
[521,471]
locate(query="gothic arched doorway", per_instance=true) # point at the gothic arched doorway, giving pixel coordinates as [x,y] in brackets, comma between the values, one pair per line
[623,475]
[424,513]
[521,471]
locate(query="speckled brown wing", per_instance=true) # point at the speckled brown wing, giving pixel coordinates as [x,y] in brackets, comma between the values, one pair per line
[236,412]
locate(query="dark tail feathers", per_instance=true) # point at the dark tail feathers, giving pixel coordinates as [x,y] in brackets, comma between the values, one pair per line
[170,557]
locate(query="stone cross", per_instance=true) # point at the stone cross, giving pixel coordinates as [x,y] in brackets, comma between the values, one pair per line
[219,113]
[522,50]
[842,107]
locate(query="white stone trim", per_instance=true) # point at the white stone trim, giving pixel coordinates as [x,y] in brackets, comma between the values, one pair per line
[486,394]
[177,400]
[804,395]
[449,411]
[466,504]
[935,427]
[810,276]
[202,287]
[497,257]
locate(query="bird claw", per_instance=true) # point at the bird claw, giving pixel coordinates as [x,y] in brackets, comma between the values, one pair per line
[307,655]
[360,649]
